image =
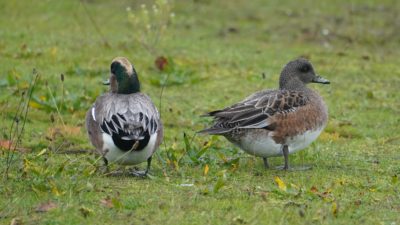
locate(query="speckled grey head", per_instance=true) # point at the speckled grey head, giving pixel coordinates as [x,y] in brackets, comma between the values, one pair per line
[123,77]
[297,73]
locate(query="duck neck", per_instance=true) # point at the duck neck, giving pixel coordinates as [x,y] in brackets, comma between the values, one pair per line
[293,85]
[125,84]
[129,86]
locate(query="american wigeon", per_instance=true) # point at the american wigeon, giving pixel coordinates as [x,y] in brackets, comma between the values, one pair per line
[276,122]
[124,124]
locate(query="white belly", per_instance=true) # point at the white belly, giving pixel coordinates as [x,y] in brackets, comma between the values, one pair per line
[265,146]
[115,155]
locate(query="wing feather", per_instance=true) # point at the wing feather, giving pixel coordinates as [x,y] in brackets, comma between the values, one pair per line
[128,116]
[256,111]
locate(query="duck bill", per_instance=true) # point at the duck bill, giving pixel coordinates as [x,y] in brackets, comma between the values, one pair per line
[321,80]
[106,82]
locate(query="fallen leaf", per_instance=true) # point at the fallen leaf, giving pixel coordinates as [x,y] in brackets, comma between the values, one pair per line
[280,183]
[6,144]
[335,208]
[206,168]
[35,105]
[55,190]
[314,189]
[41,152]
[107,202]
[45,207]
[161,63]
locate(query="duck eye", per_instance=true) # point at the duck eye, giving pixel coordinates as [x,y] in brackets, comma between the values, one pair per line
[305,68]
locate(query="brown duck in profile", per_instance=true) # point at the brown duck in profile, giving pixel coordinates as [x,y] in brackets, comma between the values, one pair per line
[123,124]
[276,122]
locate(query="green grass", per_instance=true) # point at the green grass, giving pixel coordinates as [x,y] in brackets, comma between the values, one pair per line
[220,50]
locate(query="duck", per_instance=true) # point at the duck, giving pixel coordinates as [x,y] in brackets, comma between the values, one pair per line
[123,124]
[275,122]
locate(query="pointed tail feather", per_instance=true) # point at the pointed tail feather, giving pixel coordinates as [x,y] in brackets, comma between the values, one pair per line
[214,131]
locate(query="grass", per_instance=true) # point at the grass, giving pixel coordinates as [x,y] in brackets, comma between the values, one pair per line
[219,50]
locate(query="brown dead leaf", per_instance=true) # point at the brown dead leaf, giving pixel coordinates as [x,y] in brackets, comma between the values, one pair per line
[45,207]
[314,189]
[7,144]
[161,63]
[107,202]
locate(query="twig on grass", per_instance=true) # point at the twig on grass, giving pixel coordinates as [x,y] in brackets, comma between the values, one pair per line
[22,112]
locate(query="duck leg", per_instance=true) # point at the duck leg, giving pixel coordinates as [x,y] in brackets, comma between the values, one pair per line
[104,168]
[285,151]
[266,164]
[148,165]
[141,173]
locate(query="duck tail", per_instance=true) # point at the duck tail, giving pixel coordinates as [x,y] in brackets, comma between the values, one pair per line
[214,131]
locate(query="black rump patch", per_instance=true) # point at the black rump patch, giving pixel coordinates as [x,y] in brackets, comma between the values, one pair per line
[126,145]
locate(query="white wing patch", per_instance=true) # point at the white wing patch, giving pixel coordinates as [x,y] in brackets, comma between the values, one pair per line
[93,113]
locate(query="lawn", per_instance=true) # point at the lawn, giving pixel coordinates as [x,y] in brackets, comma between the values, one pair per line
[218,52]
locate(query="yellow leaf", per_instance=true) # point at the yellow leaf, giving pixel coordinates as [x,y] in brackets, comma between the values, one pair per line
[42,152]
[34,105]
[207,144]
[280,183]
[206,168]
[54,189]
[335,208]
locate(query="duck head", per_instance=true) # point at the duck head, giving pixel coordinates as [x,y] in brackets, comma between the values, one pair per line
[297,73]
[123,77]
